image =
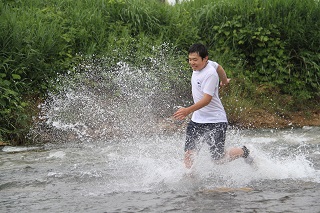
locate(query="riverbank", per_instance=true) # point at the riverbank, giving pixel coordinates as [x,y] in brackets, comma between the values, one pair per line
[264,119]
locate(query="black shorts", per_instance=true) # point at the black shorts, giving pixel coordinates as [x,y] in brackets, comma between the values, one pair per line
[214,134]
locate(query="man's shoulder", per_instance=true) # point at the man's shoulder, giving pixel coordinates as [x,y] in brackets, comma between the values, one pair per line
[213,64]
[211,70]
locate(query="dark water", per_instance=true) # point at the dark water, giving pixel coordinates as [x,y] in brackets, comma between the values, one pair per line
[146,174]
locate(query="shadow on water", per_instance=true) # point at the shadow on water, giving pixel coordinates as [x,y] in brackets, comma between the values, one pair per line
[107,151]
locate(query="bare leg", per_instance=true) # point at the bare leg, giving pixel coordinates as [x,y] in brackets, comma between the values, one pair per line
[189,158]
[233,153]
[230,155]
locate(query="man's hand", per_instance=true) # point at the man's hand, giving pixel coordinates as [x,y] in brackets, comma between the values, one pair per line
[181,113]
[222,84]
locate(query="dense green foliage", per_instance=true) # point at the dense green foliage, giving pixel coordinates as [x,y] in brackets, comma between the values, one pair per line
[278,41]
[270,48]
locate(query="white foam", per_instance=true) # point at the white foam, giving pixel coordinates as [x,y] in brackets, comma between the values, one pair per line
[58,154]
[295,138]
[261,140]
[18,149]
[233,174]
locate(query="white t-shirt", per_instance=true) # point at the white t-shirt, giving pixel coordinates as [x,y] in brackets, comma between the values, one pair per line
[207,81]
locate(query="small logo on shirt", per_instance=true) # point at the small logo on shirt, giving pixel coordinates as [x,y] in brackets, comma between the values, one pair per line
[199,84]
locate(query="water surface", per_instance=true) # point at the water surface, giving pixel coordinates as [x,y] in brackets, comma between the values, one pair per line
[146,174]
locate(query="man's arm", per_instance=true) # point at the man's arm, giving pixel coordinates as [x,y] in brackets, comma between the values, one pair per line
[183,112]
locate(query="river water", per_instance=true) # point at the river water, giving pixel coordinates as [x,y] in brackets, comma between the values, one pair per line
[105,151]
[146,174]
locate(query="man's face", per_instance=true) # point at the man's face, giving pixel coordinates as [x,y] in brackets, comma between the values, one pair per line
[196,62]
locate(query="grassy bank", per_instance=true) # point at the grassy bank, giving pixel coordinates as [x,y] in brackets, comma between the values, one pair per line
[269,48]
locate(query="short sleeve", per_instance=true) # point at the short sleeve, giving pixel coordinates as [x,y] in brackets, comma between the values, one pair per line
[213,64]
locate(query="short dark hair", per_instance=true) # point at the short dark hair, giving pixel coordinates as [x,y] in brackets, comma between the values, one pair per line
[200,49]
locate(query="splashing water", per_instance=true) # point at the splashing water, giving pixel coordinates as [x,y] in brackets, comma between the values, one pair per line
[100,103]
[124,104]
